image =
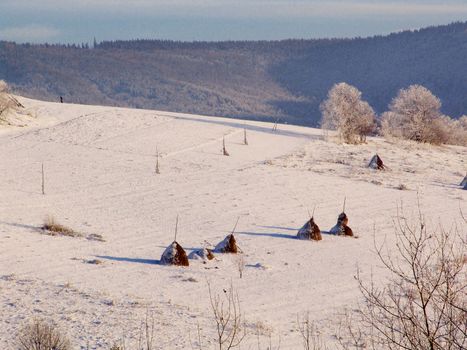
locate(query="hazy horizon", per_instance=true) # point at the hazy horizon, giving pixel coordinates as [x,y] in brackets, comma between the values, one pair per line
[68,21]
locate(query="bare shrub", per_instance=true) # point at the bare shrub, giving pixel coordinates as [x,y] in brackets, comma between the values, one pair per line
[53,228]
[240,264]
[414,114]
[42,336]
[345,112]
[146,336]
[228,318]
[311,338]
[424,303]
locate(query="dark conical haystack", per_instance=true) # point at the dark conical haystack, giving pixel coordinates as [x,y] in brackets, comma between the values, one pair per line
[463,183]
[174,254]
[201,254]
[228,245]
[376,163]
[310,231]
[341,228]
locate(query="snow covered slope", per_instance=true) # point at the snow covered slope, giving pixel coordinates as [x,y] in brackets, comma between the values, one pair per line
[100,178]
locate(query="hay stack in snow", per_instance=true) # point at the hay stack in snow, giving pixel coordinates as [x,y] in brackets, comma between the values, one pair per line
[228,245]
[310,231]
[463,183]
[376,163]
[341,228]
[174,254]
[201,254]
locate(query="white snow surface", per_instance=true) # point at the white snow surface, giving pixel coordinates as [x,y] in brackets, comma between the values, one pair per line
[100,179]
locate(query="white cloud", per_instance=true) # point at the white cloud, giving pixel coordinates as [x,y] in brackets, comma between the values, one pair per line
[29,33]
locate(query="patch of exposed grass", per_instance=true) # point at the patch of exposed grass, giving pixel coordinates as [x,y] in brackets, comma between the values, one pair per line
[95,237]
[53,228]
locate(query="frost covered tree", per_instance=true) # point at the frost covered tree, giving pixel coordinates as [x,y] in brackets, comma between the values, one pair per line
[7,102]
[345,111]
[414,114]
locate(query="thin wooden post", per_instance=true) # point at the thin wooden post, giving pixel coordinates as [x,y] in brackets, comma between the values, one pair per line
[224,151]
[176,229]
[43,180]
[157,162]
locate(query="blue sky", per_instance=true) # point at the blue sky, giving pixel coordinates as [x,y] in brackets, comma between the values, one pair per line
[82,20]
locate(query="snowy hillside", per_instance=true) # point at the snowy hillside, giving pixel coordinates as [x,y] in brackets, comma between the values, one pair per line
[99,171]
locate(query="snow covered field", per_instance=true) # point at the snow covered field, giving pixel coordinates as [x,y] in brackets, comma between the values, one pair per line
[100,179]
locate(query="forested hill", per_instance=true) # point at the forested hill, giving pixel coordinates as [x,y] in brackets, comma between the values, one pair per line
[246,79]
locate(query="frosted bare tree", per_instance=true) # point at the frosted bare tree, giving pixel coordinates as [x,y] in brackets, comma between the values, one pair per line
[424,303]
[345,111]
[414,114]
[7,102]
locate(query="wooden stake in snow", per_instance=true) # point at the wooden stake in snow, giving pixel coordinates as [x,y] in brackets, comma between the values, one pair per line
[43,180]
[274,128]
[224,151]
[245,141]
[157,162]
[343,207]
[176,229]
[236,223]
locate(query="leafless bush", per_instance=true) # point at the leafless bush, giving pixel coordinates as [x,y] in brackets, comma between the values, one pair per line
[42,336]
[228,318]
[345,112]
[146,336]
[262,331]
[240,264]
[311,338]
[424,304]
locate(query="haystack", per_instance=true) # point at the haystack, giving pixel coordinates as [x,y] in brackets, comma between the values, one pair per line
[201,254]
[174,254]
[463,183]
[341,228]
[228,245]
[310,231]
[376,163]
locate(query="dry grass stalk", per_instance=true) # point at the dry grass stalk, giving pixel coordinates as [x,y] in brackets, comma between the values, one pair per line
[311,339]
[53,228]
[240,263]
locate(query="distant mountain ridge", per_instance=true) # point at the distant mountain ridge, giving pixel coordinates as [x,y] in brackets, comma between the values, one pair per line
[267,80]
